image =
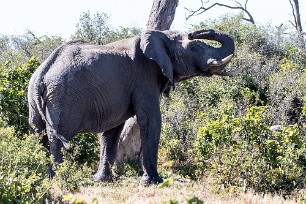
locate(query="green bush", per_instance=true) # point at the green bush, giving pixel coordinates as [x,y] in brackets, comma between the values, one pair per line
[13,90]
[179,128]
[29,45]
[85,149]
[242,152]
[233,115]
[77,168]
[23,168]
[95,29]
[70,176]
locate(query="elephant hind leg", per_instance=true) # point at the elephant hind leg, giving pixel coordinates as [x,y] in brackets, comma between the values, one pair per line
[55,150]
[108,151]
[56,142]
[37,125]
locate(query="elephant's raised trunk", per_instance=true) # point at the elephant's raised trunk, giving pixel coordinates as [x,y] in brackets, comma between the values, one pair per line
[222,55]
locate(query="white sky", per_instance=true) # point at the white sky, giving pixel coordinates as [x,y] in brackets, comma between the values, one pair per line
[59,17]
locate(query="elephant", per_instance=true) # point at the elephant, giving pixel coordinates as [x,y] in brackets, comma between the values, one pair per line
[96,88]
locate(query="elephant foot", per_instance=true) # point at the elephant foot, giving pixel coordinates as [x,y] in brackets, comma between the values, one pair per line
[102,176]
[51,172]
[147,180]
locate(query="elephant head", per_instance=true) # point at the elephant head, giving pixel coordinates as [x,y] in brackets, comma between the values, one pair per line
[184,56]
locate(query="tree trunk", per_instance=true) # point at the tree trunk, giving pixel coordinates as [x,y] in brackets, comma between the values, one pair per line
[162,14]
[298,23]
[298,16]
[129,147]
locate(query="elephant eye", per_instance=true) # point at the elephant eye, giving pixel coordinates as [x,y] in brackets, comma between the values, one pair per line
[193,49]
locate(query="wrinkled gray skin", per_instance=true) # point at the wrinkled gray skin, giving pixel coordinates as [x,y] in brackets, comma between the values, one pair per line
[84,87]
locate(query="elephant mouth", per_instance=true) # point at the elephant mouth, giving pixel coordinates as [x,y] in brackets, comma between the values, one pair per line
[218,63]
[203,72]
[216,67]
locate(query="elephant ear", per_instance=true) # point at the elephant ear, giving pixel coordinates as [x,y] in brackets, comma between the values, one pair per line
[154,45]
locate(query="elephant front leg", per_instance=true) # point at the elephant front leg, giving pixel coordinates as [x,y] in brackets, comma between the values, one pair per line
[150,126]
[108,150]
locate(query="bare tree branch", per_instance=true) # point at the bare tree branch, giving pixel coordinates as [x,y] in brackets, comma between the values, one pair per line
[293,24]
[293,13]
[297,21]
[238,6]
[245,5]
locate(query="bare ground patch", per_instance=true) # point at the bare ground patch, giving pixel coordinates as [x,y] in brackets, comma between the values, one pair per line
[128,190]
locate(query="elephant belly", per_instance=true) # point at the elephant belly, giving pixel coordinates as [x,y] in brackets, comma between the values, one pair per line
[103,117]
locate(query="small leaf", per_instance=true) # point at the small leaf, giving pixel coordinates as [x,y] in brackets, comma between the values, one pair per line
[167,182]
[168,163]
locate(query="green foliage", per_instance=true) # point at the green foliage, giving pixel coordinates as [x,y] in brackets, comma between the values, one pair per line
[29,45]
[23,168]
[286,90]
[122,33]
[167,182]
[75,200]
[13,89]
[95,29]
[193,200]
[70,175]
[233,115]
[92,28]
[179,129]
[242,152]
[85,149]
[4,47]
[129,169]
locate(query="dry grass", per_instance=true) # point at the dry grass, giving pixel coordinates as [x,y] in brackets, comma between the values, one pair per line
[128,190]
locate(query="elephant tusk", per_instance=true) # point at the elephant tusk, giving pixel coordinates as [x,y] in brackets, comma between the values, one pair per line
[227,59]
[214,62]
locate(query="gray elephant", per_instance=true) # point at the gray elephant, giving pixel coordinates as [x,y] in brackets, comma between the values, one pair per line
[85,87]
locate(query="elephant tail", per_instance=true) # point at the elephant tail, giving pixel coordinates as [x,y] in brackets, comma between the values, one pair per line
[37,95]
[40,105]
